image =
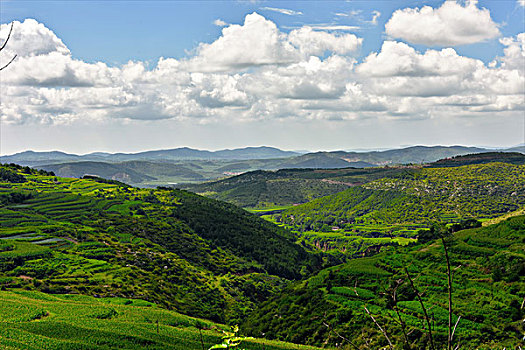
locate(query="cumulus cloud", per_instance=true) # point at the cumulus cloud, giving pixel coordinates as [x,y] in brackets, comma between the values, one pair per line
[220,23]
[257,42]
[31,38]
[514,51]
[449,25]
[445,78]
[399,59]
[254,71]
[311,42]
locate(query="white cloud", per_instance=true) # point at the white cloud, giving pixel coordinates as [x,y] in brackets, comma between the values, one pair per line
[254,71]
[449,25]
[220,23]
[514,57]
[399,59]
[257,42]
[311,42]
[331,27]
[521,2]
[31,38]
[438,76]
[375,16]
[283,11]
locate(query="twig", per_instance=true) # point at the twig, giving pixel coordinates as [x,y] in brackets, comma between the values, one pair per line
[449,274]
[401,322]
[429,332]
[8,36]
[380,328]
[8,63]
[454,330]
[340,336]
[5,43]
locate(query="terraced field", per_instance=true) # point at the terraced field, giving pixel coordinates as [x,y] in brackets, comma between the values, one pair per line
[99,237]
[34,320]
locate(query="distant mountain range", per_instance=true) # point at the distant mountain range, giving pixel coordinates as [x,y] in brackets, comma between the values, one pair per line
[176,154]
[178,165]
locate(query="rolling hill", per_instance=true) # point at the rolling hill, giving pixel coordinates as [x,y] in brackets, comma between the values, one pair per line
[267,189]
[99,237]
[332,307]
[419,196]
[186,165]
[90,262]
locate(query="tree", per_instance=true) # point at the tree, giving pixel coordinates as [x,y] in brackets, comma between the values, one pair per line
[3,46]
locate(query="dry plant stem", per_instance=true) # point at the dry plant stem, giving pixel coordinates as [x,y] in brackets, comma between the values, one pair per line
[8,36]
[454,330]
[340,336]
[401,322]
[403,326]
[427,319]
[449,274]
[380,328]
[5,43]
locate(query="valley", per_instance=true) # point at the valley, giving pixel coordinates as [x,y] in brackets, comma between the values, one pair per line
[286,271]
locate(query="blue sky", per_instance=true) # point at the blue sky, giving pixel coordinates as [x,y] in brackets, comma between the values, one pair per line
[209,94]
[118,31]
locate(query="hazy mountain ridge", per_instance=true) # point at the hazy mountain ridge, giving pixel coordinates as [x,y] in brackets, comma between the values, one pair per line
[181,165]
[183,153]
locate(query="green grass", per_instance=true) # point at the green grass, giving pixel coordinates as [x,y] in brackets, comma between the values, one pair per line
[99,237]
[33,320]
[488,289]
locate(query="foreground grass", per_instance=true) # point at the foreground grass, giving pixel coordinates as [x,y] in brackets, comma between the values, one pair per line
[34,320]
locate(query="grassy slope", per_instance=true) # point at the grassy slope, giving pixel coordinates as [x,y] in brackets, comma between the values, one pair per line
[430,194]
[111,239]
[488,290]
[33,320]
[260,189]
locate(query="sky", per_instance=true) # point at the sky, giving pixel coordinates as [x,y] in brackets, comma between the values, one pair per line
[128,76]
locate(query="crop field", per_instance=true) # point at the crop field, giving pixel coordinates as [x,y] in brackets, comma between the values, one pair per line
[34,320]
[352,240]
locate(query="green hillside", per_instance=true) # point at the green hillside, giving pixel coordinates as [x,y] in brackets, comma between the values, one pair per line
[33,320]
[488,290]
[481,158]
[267,189]
[425,195]
[397,207]
[101,237]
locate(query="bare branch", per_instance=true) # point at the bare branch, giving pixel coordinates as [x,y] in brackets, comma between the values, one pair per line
[8,63]
[340,336]
[4,44]
[8,36]
[449,275]
[427,319]
[454,330]
[380,328]
[399,282]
